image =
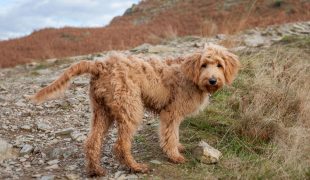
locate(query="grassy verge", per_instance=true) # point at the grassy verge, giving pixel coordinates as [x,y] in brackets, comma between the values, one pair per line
[260,124]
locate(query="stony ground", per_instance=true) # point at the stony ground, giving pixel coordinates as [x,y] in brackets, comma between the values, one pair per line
[46,141]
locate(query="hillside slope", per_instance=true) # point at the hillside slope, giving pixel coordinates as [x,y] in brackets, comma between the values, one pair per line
[152,21]
[260,123]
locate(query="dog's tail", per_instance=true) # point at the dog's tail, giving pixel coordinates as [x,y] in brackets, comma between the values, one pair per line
[58,87]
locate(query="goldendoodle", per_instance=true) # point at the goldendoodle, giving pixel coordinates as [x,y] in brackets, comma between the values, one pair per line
[121,87]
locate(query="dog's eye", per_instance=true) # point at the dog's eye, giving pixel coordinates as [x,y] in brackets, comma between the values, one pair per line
[204,66]
[219,65]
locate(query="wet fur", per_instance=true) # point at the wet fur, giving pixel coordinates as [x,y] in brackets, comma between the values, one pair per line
[121,87]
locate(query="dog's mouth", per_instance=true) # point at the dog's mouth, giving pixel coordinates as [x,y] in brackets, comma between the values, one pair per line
[212,88]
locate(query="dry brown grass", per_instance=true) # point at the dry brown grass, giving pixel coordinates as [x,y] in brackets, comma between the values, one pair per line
[151,21]
[273,104]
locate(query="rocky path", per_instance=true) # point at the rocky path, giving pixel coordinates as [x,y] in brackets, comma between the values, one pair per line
[46,141]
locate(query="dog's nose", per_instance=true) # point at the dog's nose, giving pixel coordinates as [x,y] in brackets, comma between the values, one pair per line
[212,81]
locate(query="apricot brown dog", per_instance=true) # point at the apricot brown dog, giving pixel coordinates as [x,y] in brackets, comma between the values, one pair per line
[121,87]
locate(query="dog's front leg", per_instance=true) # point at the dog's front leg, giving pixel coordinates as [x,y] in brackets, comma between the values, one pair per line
[181,148]
[169,136]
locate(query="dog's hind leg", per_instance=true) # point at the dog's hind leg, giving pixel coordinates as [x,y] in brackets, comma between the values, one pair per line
[128,114]
[99,128]
[169,136]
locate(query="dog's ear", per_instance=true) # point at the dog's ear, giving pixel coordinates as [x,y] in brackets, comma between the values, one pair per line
[232,66]
[191,66]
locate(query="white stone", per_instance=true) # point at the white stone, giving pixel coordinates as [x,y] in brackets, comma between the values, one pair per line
[26,149]
[49,177]
[72,176]
[64,132]
[55,166]
[118,174]
[77,136]
[43,126]
[71,167]
[25,127]
[52,162]
[131,176]
[36,175]
[22,159]
[20,103]
[27,164]
[155,162]
[206,153]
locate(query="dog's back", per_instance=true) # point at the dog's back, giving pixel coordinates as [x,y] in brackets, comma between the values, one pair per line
[146,76]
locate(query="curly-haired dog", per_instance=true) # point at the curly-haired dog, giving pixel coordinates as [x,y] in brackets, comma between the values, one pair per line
[122,86]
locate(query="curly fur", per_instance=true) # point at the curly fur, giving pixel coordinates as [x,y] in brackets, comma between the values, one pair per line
[121,87]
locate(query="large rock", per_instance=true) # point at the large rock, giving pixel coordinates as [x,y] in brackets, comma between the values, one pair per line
[206,153]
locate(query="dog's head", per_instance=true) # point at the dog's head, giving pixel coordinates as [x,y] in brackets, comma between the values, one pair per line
[211,68]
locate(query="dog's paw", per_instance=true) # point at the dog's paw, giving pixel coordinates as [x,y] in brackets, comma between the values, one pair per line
[177,159]
[181,148]
[139,168]
[98,171]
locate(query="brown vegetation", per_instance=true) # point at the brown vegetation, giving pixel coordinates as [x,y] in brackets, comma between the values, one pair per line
[272,102]
[152,21]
